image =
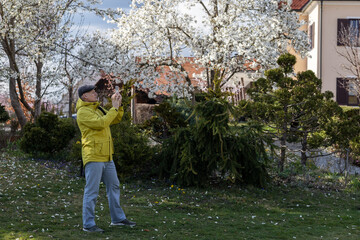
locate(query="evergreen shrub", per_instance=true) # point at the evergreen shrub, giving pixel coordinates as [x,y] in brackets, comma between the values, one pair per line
[4,115]
[48,134]
[209,147]
[133,154]
[75,151]
[74,154]
[169,115]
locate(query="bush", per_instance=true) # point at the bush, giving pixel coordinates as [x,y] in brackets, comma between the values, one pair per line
[4,137]
[169,115]
[48,134]
[4,115]
[74,150]
[209,147]
[133,155]
[354,184]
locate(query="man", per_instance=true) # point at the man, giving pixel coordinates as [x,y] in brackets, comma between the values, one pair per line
[97,150]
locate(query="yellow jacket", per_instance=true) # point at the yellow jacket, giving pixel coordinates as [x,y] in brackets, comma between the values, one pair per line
[96,140]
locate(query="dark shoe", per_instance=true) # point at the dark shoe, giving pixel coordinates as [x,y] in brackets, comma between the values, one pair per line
[124,223]
[94,229]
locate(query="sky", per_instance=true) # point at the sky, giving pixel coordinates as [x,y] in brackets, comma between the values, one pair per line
[93,22]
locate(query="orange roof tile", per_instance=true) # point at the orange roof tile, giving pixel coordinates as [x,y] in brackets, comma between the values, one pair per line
[298,5]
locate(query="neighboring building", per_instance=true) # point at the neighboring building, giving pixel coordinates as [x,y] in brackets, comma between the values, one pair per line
[324,19]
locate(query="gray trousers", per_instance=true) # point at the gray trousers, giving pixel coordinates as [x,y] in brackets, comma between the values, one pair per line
[95,172]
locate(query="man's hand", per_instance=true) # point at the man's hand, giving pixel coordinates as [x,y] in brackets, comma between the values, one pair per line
[116,99]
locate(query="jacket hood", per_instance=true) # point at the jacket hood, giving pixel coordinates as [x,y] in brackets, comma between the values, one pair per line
[80,103]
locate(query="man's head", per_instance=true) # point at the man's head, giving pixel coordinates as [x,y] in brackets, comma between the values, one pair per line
[87,93]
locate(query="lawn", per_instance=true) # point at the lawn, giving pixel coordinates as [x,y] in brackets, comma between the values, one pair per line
[42,200]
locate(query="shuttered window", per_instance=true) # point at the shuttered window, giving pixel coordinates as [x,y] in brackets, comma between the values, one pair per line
[312,35]
[344,94]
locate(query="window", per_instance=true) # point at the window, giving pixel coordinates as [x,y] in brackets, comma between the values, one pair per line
[348,32]
[312,35]
[345,93]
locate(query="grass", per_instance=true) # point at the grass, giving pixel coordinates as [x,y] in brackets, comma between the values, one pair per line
[40,201]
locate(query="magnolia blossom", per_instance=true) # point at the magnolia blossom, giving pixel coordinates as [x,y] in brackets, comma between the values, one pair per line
[30,32]
[224,36]
[99,53]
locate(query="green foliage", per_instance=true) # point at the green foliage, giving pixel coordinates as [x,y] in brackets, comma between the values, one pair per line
[169,115]
[355,151]
[287,62]
[133,155]
[199,97]
[317,139]
[354,184]
[74,154]
[210,147]
[48,134]
[344,127]
[4,115]
[343,133]
[295,168]
[125,92]
[347,108]
[74,149]
[295,107]
[4,136]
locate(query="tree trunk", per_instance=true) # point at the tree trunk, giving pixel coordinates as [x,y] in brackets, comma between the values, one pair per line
[37,105]
[70,90]
[303,149]
[282,152]
[283,141]
[211,80]
[9,48]
[15,103]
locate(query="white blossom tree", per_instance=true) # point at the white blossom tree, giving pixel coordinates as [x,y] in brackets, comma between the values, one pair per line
[224,36]
[100,53]
[29,31]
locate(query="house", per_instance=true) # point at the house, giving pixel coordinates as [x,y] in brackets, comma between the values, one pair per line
[324,21]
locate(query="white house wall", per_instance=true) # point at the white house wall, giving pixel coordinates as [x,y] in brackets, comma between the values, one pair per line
[331,61]
[313,17]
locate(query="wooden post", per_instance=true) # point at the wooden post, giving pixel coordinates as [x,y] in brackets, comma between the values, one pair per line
[133,105]
[242,89]
[347,166]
